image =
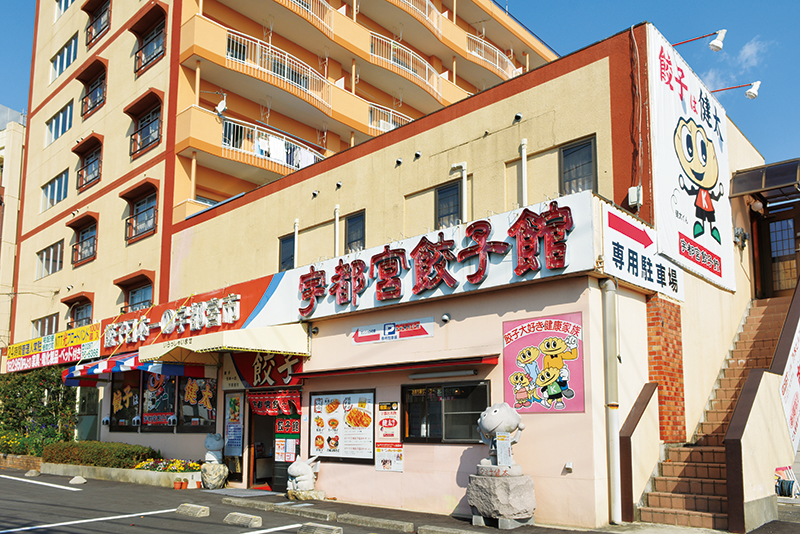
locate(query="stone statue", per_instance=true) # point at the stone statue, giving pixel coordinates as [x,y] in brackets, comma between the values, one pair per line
[213,472]
[302,477]
[496,418]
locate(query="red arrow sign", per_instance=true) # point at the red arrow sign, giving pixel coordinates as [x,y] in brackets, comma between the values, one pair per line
[366,339]
[627,229]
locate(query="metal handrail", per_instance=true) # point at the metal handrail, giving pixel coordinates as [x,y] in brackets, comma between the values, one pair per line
[140,223]
[84,250]
[248,143]
[491,55]
[99,24]
[93,99]
[136,307]
[89,173]
[79,323]
[138,144]
[426,11]
[407,61]
[319,13]
[149,51]
[382,120]
[259,56]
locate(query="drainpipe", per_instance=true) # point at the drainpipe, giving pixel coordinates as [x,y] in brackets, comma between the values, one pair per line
[612,398]
[463,167]
[296,236]
[524,150]
[197,83]
[336,230]
[193,177]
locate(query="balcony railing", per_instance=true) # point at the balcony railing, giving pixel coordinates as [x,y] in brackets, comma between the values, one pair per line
[77,323]
[249,144]
[491,55]
[382,120]
[85,250]
[94,98]
[136,306]
[318,12]
[89,173]
[151,50]
[425,11]
[406,61]
[140,224]
[146,136]
[99,25]
[259,57]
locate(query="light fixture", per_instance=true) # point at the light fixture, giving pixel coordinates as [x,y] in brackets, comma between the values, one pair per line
[314,194]
[417,154]
[443,374]
[399,161]
[715,45]
[518,117]
[446,318]
[758,206]
[740,237]
[338,185]
[751,93]
[314,331]
[69,288]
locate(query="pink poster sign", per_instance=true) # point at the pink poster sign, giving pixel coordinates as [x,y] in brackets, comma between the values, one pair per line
[543,364]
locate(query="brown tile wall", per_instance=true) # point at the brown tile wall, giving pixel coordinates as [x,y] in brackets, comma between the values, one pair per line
[25,463]
[665,362]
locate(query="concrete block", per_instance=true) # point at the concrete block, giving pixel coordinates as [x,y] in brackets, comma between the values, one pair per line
[32,473]
[316,528]
[319,515]
[245,520]
[248,503]
[429,529]
[77,480]
[193,510]
[374,522]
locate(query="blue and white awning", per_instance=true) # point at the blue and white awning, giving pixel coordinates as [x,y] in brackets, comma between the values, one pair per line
[87,374]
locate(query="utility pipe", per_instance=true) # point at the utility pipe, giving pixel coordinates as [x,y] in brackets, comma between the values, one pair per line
[193,177]
[610,350]
[524,150]
[336,230]
[296,236]
[197,83]
[463,167]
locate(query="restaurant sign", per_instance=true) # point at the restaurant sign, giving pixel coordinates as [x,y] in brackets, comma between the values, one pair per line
[63,347]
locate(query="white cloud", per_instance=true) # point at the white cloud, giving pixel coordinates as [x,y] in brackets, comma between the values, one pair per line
[716,79]
[752,53]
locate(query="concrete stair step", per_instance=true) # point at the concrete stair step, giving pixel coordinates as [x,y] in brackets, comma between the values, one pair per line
[698,454]
[749,344]
[719,415]
[691,486]
[711,440]
[726,393]
[748,354]
[723,404]
[712,427]
[757,336]
[693,470]
[761,362]
[684,518]
[698,503]
[732,383]
[735,372]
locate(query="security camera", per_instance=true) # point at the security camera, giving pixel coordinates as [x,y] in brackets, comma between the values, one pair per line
[314,331]
[518,117]
[446,318]
[399,161]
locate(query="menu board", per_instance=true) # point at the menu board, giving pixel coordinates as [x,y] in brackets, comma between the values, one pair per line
[342,425]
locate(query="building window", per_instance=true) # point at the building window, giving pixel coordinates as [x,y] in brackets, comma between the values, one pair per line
[207,201]
[139,298]
[81,316]
[148,131]
[286,253]
[90,168]
[354,232]
[95,95]
[444,412]
[151,47]
[578,168]
[85,248]
[158,401]
[59,123]
[64,58]
[50,260]
[101,20]
[197,402]
[143,219]
[448,205]
[45,326]
[125,400]
[62,6]
[55,191]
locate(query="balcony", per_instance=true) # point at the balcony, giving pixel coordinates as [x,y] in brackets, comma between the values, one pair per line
[424,11]
[406,62]
[140,224]
[147,136]
[317,12]
[280,68]
[150,51]
[382,120]
[93,99]
[144,304]
[101,20]
[84,251]
[77,323]
[492,57]
[89,174]
[248,143]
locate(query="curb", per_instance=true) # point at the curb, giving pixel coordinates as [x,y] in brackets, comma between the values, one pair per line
[386,524]
[193,510]
[322,515]
[246,520]
[248,503]
[428,529]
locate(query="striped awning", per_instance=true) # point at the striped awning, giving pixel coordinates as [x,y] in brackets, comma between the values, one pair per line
[86,374]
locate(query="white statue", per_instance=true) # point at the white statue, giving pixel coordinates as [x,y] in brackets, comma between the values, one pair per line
[302,474]
[496,418]
[214,445]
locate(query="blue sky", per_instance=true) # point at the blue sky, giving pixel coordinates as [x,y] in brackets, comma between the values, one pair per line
[762,44]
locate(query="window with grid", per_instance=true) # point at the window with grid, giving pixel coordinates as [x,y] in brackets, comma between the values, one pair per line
[148,131]
[139,298]
[85,248]
[578,168]
[152,47]
[448,205]
[143,218]
[55,190]
[101,20]
[443,412]
[81,315]
[59,123]
[90,169]
[64,58]
[62,6]
[286,253]
[95,95]
[45,326]
[50,260]
[354,232]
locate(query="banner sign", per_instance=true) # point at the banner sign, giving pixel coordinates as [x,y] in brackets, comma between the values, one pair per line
[690,167]
[275,402]
[379,333]
[342,425]
[630,253]
[260,369]
[389,457]
[389,422]
[63,347]
[790,390]
[543,364]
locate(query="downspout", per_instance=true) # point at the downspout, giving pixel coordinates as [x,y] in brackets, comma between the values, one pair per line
[612,398]
[336,230]
[296,236]
[524,150]
[463,167]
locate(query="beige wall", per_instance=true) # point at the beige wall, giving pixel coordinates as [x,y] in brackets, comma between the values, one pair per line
[12,141]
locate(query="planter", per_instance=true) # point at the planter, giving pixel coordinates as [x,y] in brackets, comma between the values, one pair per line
[133,476]
[185,484]
[177,485]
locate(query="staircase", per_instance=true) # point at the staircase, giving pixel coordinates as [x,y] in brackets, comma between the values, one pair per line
[692,486]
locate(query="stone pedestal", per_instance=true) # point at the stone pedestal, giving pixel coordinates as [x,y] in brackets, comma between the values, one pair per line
[214,476]
[306,495]
[509,501]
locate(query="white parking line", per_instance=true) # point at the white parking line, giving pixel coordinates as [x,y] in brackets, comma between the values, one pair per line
[81,521]
[41,483]
[276,529]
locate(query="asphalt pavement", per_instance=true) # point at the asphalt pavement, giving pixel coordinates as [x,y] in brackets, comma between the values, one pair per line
[48,503]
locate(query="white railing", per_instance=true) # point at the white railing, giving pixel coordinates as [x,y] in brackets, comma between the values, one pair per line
[427,11]
[406,61]
[317,11]
[491,55]
[256,56]
[382,120]
[253,144]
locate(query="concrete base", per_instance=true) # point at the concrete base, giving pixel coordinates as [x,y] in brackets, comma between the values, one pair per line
[759,512]
[306,495]
[503,523]
[508,502]
[135,476]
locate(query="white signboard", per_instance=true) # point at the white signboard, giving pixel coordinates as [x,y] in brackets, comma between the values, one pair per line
[790,390]
[690,167]
[379,333]
[342,425]
[389,422]
[389,457]
[504,456]
[630,254]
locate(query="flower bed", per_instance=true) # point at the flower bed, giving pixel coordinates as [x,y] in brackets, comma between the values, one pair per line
[164,479]
[168,466]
